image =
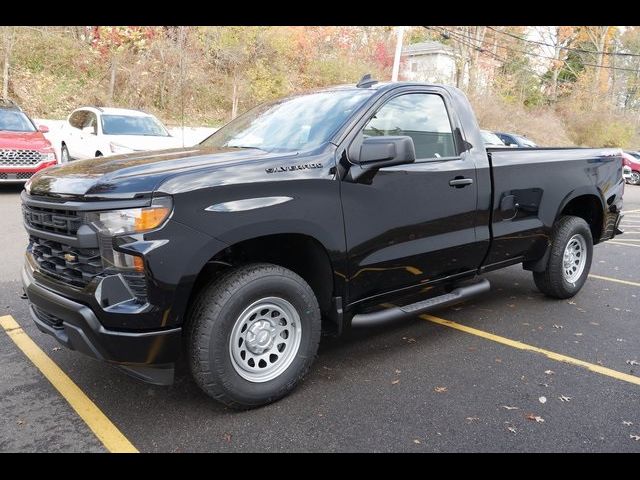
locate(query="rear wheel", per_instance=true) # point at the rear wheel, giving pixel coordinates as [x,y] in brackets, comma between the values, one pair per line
[635,178]
[253,334]
[569,261]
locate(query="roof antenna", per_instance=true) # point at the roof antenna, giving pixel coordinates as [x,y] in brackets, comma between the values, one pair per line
[366,81]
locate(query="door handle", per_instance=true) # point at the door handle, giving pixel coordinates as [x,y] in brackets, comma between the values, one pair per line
[460,182]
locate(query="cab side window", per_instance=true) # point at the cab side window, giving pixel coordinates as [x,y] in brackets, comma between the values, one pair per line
[421,116]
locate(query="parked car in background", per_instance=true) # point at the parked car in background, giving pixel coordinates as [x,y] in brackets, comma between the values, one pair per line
[632,160]
[96,131]
[513,140]
[626,173]
[491,139]
[23,148]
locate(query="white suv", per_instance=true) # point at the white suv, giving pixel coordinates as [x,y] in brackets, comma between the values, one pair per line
[95,132]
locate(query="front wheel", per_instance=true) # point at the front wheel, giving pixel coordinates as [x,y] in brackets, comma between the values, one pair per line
[569,261]
[252,335]
[635,178]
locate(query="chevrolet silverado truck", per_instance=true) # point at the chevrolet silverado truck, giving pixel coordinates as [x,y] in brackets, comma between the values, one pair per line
[349,206]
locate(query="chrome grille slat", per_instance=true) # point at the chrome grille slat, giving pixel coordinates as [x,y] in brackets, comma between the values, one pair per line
[10,157]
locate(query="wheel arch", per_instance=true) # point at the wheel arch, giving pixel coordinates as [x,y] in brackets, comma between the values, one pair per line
[300,253]
[588,204]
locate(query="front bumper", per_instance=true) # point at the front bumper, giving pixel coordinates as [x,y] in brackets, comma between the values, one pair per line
[147,355]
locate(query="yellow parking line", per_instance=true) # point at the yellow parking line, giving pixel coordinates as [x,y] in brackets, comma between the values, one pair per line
[100,425]
[625,377]
[610,279]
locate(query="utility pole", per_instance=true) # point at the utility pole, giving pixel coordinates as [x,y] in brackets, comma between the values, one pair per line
[396,59]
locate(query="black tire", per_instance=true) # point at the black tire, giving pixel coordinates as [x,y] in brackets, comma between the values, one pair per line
[552,281]
[211,321]
[64,154]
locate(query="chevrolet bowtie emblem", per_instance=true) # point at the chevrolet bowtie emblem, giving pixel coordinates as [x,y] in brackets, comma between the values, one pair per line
[69,257]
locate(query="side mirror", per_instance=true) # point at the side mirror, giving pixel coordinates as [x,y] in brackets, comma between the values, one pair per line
[379,152]
[90,130]
[43,129]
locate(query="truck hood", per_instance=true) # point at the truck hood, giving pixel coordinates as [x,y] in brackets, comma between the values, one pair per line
[145,142]
[135,174]
[23,140]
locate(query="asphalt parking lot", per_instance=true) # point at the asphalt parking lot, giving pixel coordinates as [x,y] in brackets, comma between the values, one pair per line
[425,385]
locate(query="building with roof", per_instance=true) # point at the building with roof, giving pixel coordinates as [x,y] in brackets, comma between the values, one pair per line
[431,62]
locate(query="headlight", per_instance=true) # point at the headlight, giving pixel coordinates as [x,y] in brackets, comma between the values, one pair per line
[117,148]
[131,220]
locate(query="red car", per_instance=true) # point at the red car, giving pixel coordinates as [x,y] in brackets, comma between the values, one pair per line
[632,160]
[23,148]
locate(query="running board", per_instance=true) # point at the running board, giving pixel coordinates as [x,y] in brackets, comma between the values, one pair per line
[458,295]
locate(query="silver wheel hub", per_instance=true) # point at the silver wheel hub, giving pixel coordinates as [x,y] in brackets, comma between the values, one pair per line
[574,258]
[265,339]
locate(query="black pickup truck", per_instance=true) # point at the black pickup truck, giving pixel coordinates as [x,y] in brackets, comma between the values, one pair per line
[342,207]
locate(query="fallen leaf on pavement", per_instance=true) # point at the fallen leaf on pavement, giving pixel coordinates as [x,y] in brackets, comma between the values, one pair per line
[509,408]
[616,309]
[409,339]
[472,419]
[440,389]
[594,323]
[564,398]
[543,385]
[55,349]
[571,302]
[632,362]
[549,372]
[395,382]
[578,334]
[542,399]
[227,437]
[398,371]
[558,326]
[511,429]
[19,422]
[628,424]
[619,339]
[416,441]
[536,418]
[635,437]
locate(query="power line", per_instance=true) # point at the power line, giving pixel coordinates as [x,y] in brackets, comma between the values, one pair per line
[541,56]
[457,37]
[581,50]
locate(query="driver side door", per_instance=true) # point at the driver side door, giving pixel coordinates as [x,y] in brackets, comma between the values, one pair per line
[412,224]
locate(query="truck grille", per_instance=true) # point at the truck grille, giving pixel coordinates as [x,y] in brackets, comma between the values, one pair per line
[63,222]
[75,266]
[17,158]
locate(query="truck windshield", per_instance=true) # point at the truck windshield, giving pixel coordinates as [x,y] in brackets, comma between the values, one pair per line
[15,121]
[296,123]
[132,125]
